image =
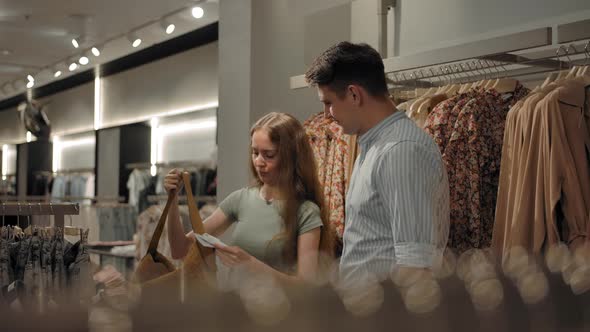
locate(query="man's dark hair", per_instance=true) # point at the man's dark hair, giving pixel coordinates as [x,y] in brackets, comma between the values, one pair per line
[347,63]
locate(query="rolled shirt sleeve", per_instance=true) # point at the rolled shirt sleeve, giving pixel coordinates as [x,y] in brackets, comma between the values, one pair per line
[412,184]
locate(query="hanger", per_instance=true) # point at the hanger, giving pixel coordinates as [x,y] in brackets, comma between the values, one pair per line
[574,69]
[456,86]
[48,230]
[71,230]
[563,73]
[506,84]
[467,85]
[584,71]
[57,232]
[413,106]
[18,232]
[479,72]
[29,229]
[4,228]
[403,106]
[553,76]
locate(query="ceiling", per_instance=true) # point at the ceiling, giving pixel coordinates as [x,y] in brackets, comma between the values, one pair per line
[36,35]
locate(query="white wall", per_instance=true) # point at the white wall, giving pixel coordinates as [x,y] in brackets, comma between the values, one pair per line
[188,137]
[72,110]
[182,82]
[427,25]
[76,151]
[235,37]
[11,129]
[262,44]
[68,111]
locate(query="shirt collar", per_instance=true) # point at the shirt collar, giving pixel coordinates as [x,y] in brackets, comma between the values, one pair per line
[372,134]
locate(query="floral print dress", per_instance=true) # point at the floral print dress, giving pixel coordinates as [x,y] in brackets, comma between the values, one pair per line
[469,130]
[331,150]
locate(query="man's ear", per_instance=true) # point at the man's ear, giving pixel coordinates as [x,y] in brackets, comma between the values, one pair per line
[355,93]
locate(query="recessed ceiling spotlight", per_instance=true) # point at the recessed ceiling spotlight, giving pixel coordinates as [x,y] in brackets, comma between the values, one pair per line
[83,60]
[96,51]
[167,26]
[134,40]
[30,78]
[73,66]
[30,84]
[198,12]
[57,73]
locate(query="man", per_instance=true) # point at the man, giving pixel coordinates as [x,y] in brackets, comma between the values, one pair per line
[397,205]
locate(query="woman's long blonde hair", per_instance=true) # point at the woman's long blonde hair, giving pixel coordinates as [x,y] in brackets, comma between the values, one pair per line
[298,179]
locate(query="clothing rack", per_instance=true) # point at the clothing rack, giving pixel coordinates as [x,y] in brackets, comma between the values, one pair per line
[181,199]
[47,198]
[495,67]
[58,211]
[174,164]
[67,171]
[521,49]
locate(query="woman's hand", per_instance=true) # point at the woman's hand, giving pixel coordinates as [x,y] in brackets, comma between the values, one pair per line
[232,256]
[173,181]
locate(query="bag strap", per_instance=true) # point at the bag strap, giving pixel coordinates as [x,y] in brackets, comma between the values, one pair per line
[193,209]
[160,227]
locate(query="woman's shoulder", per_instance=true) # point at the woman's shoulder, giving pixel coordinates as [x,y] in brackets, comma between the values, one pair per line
[309,207]
[244,192]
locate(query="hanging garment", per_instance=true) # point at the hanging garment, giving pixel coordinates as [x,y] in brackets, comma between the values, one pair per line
[6,274]
[40,268]
[331,151]
[426,106]
[515,150]
[79,270]
[89,192]
[470,140]
[22,258]
[138,180]
[78,186]
[58,272]
[46,272]
[552,198]
[441,120]
[35,261]
[58,188]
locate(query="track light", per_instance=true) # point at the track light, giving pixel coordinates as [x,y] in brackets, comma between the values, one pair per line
[30,84]
[198,12]
[73,66]
[134,40]
[83,60]
[30,78]
[96,51]
[77,41]
[167,26]
[57,70]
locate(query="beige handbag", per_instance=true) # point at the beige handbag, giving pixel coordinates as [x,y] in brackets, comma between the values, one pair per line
[156,271]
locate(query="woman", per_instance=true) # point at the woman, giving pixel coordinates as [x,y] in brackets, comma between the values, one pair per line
[281,227]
